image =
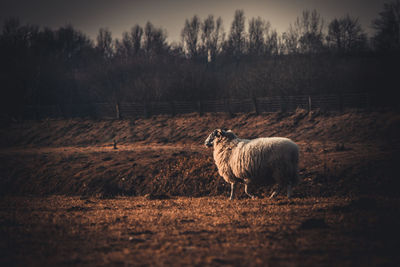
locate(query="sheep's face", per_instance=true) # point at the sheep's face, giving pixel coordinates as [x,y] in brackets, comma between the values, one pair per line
[218,135]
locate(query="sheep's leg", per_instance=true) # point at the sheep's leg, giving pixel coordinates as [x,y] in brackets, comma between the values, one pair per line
[233,186]
[247,193]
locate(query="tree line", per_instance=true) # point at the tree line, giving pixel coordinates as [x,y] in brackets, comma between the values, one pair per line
[42,66]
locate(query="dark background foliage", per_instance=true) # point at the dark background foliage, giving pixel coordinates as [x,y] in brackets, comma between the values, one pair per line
[42,66]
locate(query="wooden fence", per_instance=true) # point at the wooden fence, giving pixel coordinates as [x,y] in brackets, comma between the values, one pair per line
[231,106]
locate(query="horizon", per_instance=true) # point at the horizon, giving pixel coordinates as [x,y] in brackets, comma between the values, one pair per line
[90,16]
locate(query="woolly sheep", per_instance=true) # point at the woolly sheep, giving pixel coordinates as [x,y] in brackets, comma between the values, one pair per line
[257,161]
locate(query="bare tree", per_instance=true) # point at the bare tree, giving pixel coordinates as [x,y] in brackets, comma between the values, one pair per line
[123,48]
[105,43]
[218,36]
[257,28]
[290,41]
[130,44]
[212,36]
[154,40]
[190,36]
[335,35]
[237,36]
[387,26]
[308,30]
[136,36]
[272,42]
[345,35]
[262,39]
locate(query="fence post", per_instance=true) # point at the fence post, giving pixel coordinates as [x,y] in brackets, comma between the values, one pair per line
[283,103]
[58,111]
[35,111]
[147,112]
[368,100]
[309,104]
[118,115]
[172,107]
[293,105]
[199,108]
[255,106]
[228,107]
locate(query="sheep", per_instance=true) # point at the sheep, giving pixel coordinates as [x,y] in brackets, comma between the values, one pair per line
[257,161]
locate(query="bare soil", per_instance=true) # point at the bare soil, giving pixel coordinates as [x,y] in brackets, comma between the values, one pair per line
[68,197]
[206,231]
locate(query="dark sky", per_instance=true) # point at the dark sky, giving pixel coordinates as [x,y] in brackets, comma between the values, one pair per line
[120,15]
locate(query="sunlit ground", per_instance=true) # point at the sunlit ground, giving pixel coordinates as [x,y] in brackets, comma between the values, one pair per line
[180,231]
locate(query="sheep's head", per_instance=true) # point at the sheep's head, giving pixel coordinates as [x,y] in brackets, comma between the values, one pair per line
[219,135]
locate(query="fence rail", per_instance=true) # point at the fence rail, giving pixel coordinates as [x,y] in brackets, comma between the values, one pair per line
[231,106]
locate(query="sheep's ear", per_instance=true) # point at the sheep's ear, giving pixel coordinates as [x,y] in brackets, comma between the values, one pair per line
[230,135]
[218,132]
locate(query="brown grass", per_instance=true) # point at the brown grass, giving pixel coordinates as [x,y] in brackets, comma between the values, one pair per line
[198,231]
[136,170]
[348,127]
[68,197]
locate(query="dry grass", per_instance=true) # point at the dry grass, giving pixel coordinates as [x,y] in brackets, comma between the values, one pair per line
[188,129]
[198,231]
[67,197]
[137,169]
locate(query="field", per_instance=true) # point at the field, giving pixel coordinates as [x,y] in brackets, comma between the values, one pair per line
[68,197]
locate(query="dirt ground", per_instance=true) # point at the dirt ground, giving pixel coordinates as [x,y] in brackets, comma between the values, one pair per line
[68,197]
[205,231]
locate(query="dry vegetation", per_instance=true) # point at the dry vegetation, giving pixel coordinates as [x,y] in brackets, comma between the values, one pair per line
[198,231]
[68,197]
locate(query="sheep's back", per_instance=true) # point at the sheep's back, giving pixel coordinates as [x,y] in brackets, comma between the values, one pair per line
[259,158]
